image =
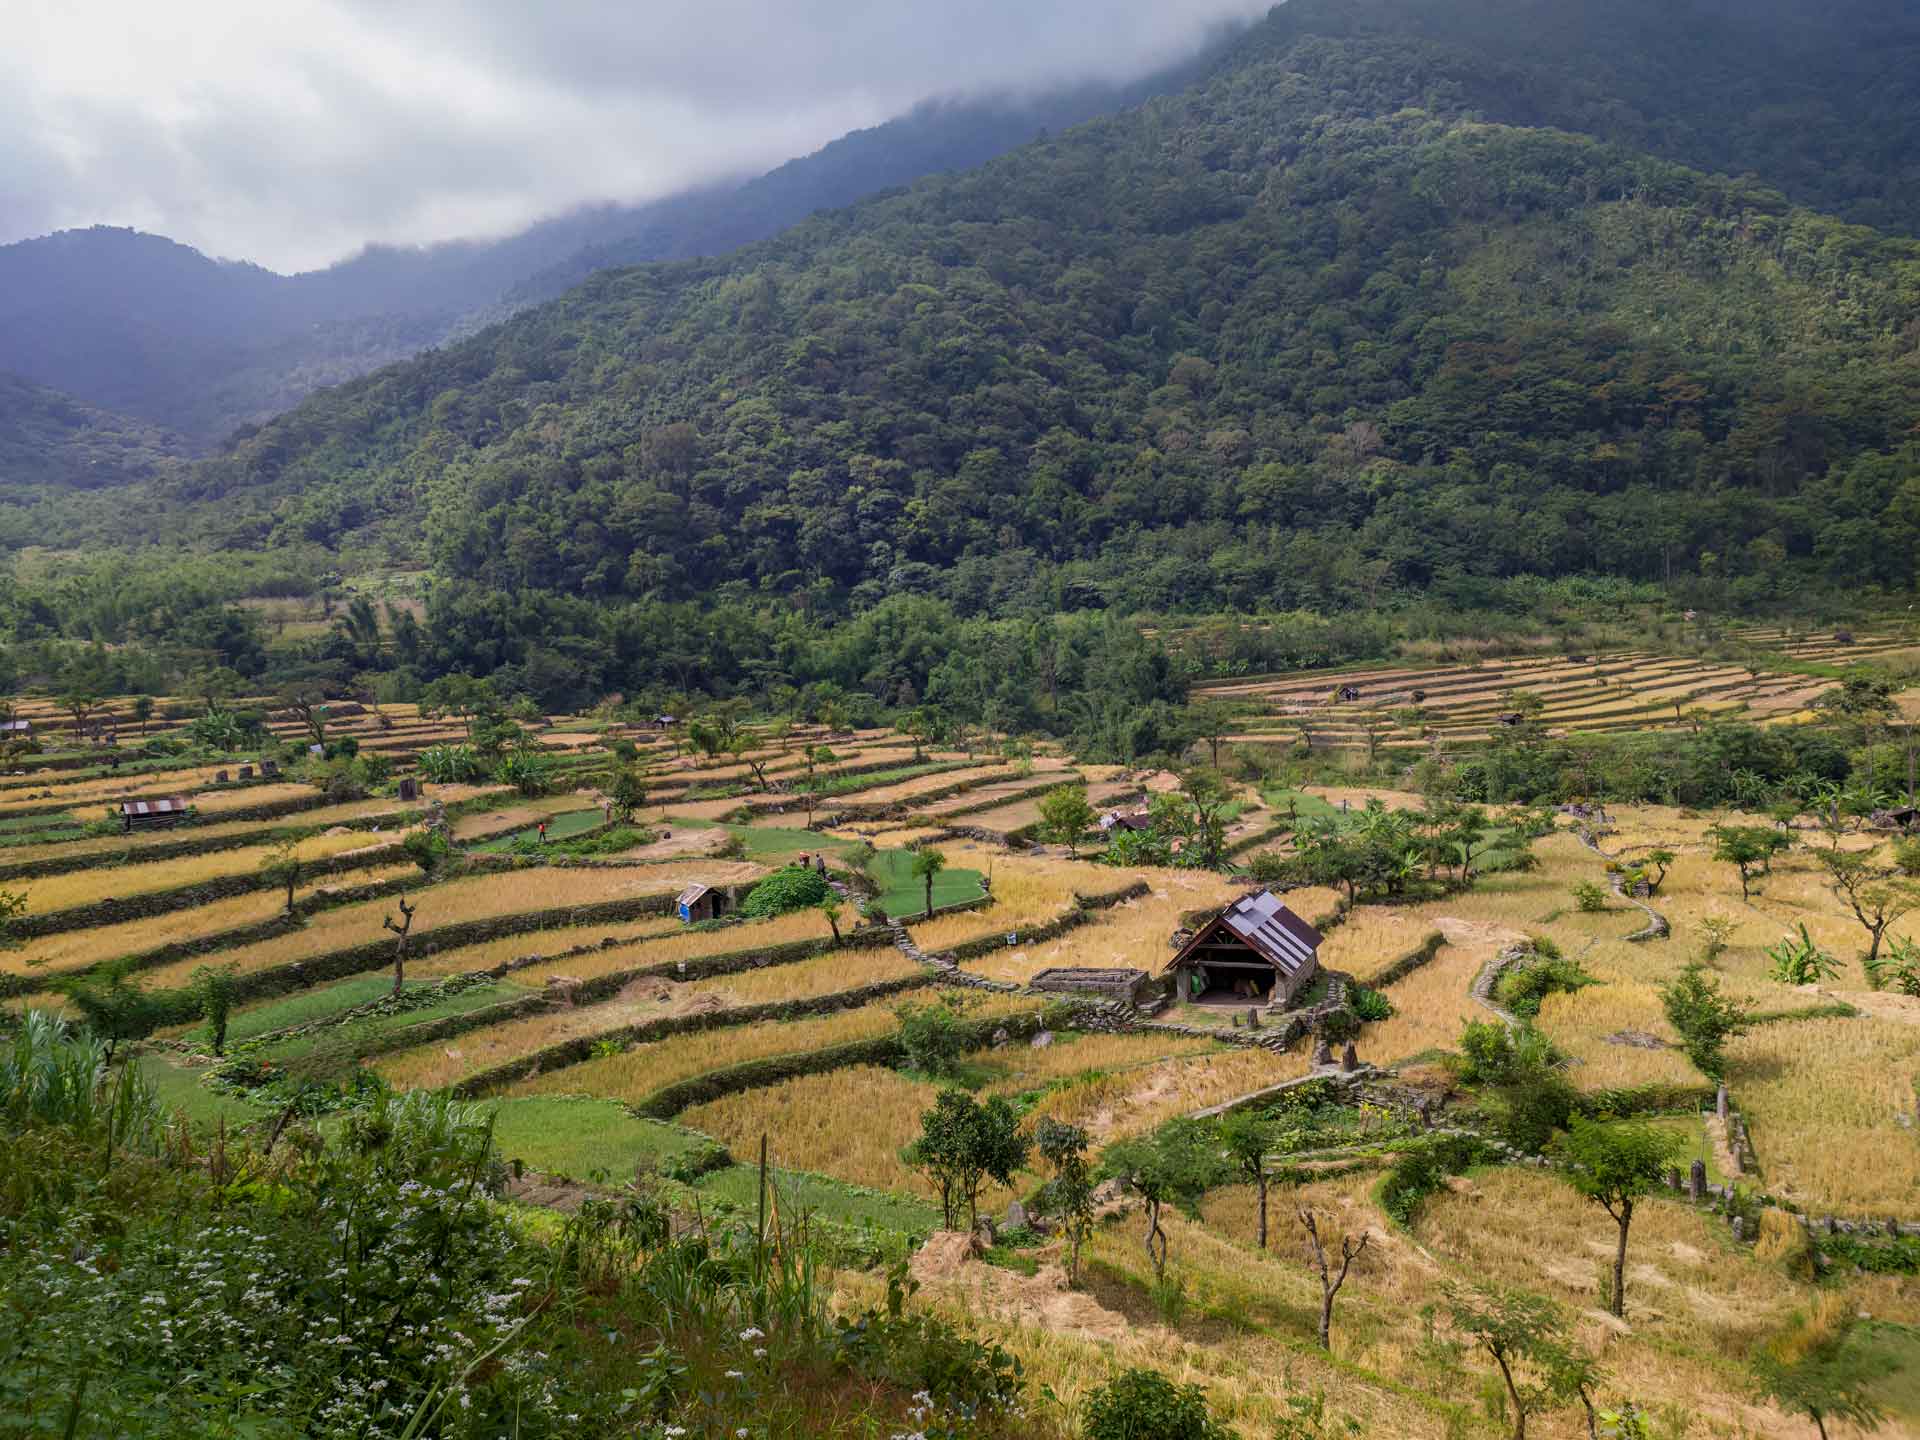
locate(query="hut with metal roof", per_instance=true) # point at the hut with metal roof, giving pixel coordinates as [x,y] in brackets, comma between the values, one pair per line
[155,814]
[1255,952]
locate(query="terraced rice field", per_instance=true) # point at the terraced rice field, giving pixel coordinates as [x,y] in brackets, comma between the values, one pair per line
[1816,1092]
[1410,708]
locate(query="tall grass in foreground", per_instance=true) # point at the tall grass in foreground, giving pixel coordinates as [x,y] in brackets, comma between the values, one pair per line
[54,1074]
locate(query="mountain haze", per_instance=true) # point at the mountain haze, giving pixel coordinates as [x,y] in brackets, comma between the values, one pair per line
[141,324]
[1346,316]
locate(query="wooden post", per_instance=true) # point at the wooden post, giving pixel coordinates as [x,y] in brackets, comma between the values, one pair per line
[761,1231]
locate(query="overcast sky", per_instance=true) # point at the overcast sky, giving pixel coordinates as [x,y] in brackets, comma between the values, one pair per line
[292,132]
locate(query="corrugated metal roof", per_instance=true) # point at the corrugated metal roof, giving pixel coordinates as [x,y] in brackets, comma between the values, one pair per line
[171,805]
[692,893]
[1268,928]
[1275,931]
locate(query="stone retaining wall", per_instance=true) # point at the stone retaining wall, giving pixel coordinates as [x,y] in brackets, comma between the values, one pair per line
[1399,969]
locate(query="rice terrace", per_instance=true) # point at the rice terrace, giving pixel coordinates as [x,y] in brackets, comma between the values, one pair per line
[730,967]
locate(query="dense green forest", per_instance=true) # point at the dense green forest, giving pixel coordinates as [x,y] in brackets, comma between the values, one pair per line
[47,438]
[1303,335]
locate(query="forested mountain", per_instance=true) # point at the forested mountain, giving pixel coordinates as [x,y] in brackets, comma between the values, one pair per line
[141,324]
[1308,332]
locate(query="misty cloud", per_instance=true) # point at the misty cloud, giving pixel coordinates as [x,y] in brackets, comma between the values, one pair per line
[294,133]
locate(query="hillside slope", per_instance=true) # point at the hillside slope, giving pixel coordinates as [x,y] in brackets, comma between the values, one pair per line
[47,438]
[1304,332]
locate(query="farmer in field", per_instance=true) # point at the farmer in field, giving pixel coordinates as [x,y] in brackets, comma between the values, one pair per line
[543,832]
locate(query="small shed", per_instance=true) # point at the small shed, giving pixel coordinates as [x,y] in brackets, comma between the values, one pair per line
[1512,717]
[15,729]
[162,814]
[1905,816]
[701,902]
[1126,820]
[1256,951]
[664,722]
[1347,694]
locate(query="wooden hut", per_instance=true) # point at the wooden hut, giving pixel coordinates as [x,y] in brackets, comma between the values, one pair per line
[1347,694]
[1255,952]
[1124,820]
[701,902]
[162,814]
[16,729]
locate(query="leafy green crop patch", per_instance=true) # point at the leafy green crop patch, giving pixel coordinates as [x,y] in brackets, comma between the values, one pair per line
[563,826]
[343,1038]
[584,1138]
[902,893]
[801,1192]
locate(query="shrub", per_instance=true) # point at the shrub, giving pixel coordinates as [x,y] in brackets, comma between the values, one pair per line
[784,891]
[428,849]
[1267,867]
[1906,854]
[1370,1005]
[1526,1097]
[528,772]
[451,764]
[1423,1169]
[1144,1405]
[1339,1026]
[1589,897]
[1799,960]
[1524,986]
[1704,1018]
[932,1035]
[702,1159]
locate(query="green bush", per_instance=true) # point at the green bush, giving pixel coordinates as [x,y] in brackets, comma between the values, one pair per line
[933,1036]
[702,1159]
[1339,1026]
[1589,897]
[451,764]
[429,849]
[1145,1405]
[1370,1005]
[1422,1170]
[784,891]
[1524,986]
[528,772]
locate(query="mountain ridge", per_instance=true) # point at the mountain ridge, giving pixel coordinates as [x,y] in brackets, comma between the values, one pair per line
[1276,337]
[142,324]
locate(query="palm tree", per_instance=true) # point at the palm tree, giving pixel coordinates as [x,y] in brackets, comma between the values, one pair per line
[927,863]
